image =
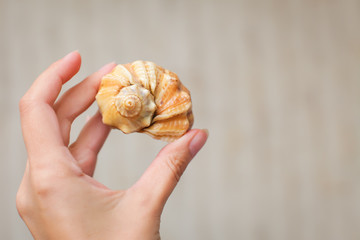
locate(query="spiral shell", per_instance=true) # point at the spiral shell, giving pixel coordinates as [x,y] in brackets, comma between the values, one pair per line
[144,97]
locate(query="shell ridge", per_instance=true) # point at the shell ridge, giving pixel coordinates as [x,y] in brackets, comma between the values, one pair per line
[144,97]
[140,71]
[151,71]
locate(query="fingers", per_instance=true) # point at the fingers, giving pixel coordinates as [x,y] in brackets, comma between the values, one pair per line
[48,85]
[38,120]
[160,179]
[89,143]
[77,100]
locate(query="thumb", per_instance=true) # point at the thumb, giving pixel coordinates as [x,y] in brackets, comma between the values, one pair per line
[161,177]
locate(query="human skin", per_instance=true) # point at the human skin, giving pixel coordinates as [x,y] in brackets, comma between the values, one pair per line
[58,198]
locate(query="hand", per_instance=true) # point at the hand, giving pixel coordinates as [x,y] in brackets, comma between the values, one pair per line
[58,198]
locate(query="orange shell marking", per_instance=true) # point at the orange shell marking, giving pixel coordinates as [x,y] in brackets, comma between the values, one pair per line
[144,97]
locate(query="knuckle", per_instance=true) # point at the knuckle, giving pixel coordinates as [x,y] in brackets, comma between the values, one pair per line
[42,188]
[42,181]
[176,164]
[48,178]
[23,104]
[23,204]
[26,104]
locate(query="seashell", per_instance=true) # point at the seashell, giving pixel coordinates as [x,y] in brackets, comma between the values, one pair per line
[144,97]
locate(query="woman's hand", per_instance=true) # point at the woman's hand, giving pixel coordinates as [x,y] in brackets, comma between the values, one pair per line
[58,198]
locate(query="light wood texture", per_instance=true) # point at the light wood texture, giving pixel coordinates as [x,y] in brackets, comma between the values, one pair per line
[277,83]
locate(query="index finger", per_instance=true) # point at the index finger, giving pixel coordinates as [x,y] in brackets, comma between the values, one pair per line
[39,123]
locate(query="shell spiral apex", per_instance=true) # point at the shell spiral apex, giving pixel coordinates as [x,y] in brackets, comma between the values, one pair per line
[144,97]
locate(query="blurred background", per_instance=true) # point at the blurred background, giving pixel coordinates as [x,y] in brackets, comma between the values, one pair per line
[276,82]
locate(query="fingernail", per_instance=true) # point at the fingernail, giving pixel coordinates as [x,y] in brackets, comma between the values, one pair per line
[69,55]
[198,141]
[107,67]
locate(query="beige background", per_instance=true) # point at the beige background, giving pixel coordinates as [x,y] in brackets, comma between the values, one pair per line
[277,83]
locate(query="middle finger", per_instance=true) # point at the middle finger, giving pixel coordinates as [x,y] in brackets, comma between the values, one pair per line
[77,99]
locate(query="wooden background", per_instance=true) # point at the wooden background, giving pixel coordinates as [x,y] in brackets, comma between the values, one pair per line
[277,83]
